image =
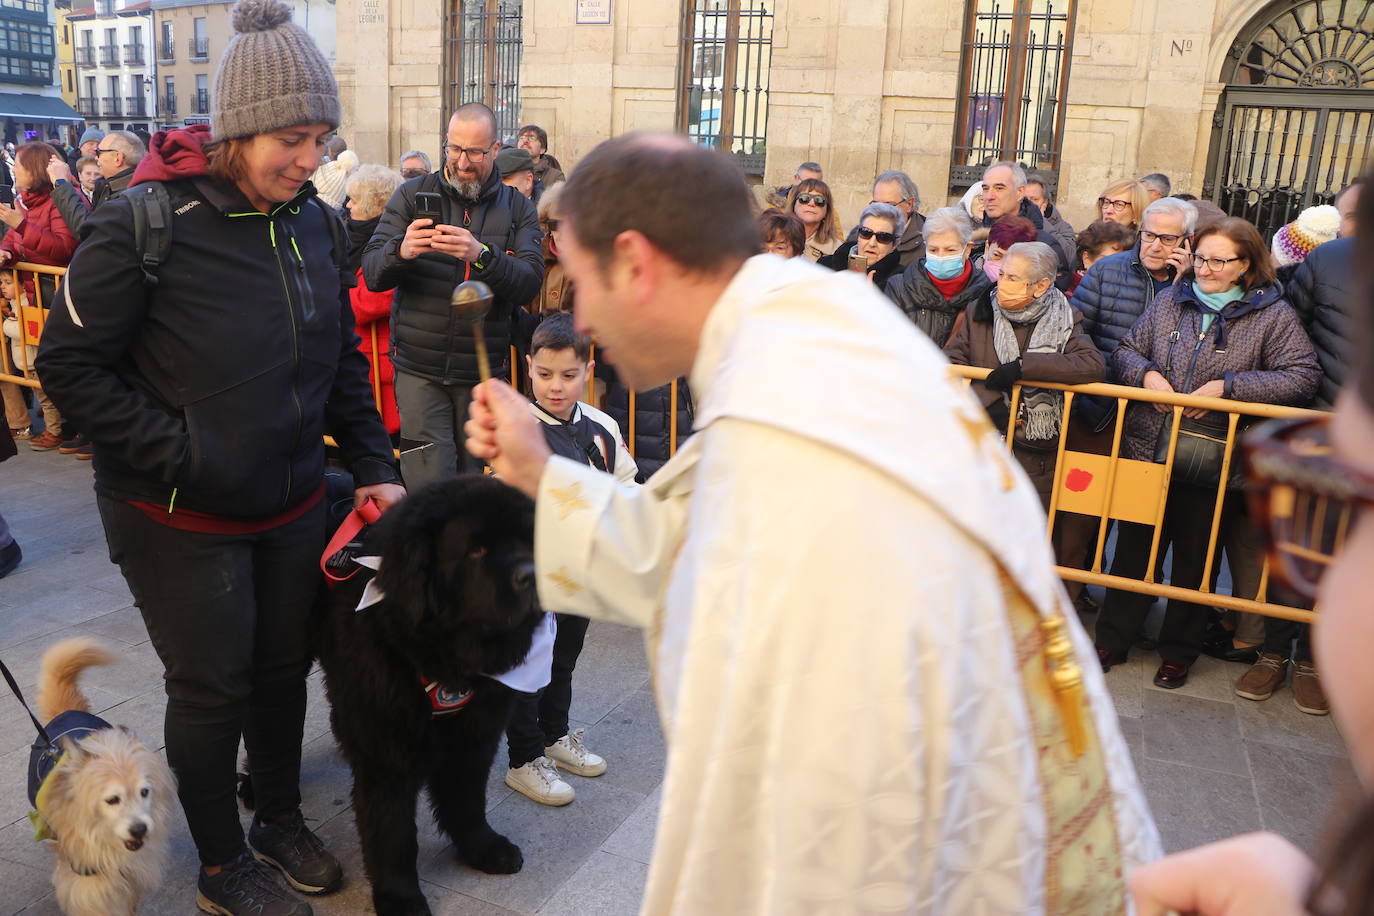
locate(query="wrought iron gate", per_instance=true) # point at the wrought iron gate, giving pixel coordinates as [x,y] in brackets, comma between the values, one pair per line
[727,53]
[482,45]
[1296,123]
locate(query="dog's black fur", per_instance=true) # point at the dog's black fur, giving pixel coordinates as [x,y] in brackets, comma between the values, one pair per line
[458,573]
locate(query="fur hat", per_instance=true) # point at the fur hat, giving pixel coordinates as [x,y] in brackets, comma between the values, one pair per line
[272,75]
[92,135]
[1314,226]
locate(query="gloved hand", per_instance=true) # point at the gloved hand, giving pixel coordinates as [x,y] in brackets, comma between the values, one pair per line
[1004,376]
[999,413]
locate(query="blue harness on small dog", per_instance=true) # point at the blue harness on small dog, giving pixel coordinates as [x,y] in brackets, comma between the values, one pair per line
[44,757]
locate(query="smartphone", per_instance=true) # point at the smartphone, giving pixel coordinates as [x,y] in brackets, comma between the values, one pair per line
[857,261]
[428,206]
[7,194]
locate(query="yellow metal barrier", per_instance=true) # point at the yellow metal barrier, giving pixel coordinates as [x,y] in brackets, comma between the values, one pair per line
[30,313]
[1110,487]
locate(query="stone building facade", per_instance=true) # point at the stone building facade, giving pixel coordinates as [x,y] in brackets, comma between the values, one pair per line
[1193,90]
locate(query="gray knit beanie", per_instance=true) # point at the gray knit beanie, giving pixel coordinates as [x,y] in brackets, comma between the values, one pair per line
[272,75]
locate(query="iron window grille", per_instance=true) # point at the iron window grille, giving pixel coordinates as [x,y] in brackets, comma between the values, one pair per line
[1014,77]
[200,48]
[483,42]
[727,53]
[133,54]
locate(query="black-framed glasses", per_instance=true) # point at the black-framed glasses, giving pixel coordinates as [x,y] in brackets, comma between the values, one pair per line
[1116,205]
[413,173]
[1169,241]
[1303,497]
[884,238]
[1213,263]
[474,153]
[98,151]
[552,224]
[814,200]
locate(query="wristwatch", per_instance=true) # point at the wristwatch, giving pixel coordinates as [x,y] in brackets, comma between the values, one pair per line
[483,260]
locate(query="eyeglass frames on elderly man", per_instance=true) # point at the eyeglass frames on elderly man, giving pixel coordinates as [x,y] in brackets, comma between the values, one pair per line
[1304,499]
[1168,241]
[1116,205]
[814,200]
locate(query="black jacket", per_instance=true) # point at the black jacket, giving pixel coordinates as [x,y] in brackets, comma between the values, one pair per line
[214,389]
[653,419]
[917,296]
[427,339]
[72,204]
[887,266]
[1321,292]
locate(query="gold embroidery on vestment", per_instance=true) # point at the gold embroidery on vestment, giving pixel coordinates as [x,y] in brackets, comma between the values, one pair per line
[568,501]
[565,582]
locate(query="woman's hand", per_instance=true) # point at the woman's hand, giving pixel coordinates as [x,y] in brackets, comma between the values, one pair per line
[1213,389]
[1155,381]
[1258,874]
[5,254]
[10,215]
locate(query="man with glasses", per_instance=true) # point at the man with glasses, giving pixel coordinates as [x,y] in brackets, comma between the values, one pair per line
[485,231]
[116,155]
[896,189]
[548,171]
[414,164]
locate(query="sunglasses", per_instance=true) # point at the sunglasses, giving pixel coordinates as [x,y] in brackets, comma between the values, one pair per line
[413,173]
[1304,498]
[884,238]
[815,200]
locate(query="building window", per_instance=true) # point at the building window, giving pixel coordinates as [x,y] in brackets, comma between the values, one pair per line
[482,44]
[166,49]
[31,6]
[202,99]
[723,87]
[168,102]
[26,52]
[1014,76]
[200,42]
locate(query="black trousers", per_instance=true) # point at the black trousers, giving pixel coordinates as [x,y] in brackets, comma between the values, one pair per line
[1187,523]
[229,616]
[540,719]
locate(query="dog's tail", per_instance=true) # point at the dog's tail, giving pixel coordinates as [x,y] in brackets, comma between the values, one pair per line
[62,665]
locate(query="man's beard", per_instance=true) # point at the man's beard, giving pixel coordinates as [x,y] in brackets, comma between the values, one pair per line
[468,190]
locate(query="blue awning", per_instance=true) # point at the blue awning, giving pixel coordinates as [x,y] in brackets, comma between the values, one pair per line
[36,107]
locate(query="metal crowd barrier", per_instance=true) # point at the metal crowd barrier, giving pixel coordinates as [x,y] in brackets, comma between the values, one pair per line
[1110,487]
[30,313]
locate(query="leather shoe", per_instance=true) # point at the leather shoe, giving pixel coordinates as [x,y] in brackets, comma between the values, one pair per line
[1108,658]
[1227,651]
[1171,675]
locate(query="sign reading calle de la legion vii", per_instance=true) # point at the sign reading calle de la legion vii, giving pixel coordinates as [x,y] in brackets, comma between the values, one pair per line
[593,12]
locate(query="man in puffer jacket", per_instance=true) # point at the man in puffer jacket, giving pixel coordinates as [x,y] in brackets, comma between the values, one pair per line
[488,232]
[1321,291]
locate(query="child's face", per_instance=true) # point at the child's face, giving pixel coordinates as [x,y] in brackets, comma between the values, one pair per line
[7,286]
[558,379]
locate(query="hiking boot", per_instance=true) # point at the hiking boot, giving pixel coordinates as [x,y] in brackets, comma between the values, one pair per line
[1263,678]
[247,886]
[1307,690]
[290,847]
[571,755]
[73,445]
[9,558]
[44,442]
[539,781]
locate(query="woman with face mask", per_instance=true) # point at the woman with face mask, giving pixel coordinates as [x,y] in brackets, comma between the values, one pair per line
[935,289]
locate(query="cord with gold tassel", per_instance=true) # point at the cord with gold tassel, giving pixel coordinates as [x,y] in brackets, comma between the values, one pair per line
[1066,679]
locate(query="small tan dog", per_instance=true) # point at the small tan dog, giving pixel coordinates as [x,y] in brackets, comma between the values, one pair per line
[101,795]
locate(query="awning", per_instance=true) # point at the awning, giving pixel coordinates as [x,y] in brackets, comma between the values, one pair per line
[36,107]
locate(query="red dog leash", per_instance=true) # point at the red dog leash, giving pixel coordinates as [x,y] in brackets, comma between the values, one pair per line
[359,518]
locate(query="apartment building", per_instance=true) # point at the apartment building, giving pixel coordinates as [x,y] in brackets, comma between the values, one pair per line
[31,105]
[113,47]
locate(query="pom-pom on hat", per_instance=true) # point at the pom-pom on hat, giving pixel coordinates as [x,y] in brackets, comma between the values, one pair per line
[1314,226]
[272,75]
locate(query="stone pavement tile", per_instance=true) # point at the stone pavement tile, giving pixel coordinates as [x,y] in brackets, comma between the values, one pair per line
[1200,733]
[632,743]
[71,605]
[555,842]
[1124,682]
[1278,720]
[124,626]
[14,792]
[606,885]
[1194,806]
[26,889]
[612,666]
[1299,791]
[449,903]
[634,839]
[317,708]
[326,781]
[1133,731]
[143,714]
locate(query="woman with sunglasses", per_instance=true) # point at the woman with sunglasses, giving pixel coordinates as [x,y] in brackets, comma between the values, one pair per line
[1123,202]
[814,205]
[875,241]
[1302,463]
[1225,331]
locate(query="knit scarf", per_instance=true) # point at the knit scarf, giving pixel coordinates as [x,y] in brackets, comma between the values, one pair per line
[1041,409]
[1213,303]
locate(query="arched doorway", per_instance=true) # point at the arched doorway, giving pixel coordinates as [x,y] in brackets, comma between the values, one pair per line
[1296,122]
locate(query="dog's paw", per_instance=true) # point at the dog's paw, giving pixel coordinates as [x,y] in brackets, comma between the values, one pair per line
[496,855]
[387,905]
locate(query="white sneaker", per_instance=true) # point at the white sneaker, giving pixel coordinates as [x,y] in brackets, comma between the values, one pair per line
[539,780]
[574,757]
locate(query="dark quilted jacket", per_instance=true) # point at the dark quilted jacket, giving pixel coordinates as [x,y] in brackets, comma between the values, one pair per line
[1257,345]
[1111,296]
[1320,292]
[653,424]
[917,296]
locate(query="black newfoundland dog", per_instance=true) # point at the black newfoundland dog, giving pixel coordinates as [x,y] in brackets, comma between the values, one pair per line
[409,704]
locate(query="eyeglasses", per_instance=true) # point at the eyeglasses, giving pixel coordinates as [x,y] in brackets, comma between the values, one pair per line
[1303,497]
[552,224]
[815,200]
[413,173]
[895,203]
[1116,205]
[1170,241]
[98,151]
[884,238]
[474,153]
[1212,263]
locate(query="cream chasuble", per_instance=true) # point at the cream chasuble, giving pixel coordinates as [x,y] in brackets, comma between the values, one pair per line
[845,584]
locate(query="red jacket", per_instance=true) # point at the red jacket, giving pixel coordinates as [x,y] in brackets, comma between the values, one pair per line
[41,237]
[373,311]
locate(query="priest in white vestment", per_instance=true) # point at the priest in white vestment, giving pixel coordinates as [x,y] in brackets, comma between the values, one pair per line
[875,695]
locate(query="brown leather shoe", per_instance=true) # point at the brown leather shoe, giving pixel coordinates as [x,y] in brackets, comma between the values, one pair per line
[1307,690]
[44,442]
[1171,675]
[1264,677]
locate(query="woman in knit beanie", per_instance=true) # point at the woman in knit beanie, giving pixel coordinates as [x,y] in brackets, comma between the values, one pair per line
[205,358]
[1294,242]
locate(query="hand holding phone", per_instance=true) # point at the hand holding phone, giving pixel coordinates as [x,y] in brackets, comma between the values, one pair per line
[1181,258]
[858,262]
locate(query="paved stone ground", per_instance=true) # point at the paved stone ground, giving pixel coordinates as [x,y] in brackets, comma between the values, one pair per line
[1212,764]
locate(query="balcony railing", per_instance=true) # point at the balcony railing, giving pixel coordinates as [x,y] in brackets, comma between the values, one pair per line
[109,55]
[200,48]
[85,56]
[168,104]
[202,101]
[109,107]
[135,107]
[133,54]
[88,107]
[166,51]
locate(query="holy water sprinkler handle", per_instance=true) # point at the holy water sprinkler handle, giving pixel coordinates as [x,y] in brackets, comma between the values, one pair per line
[472,301]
